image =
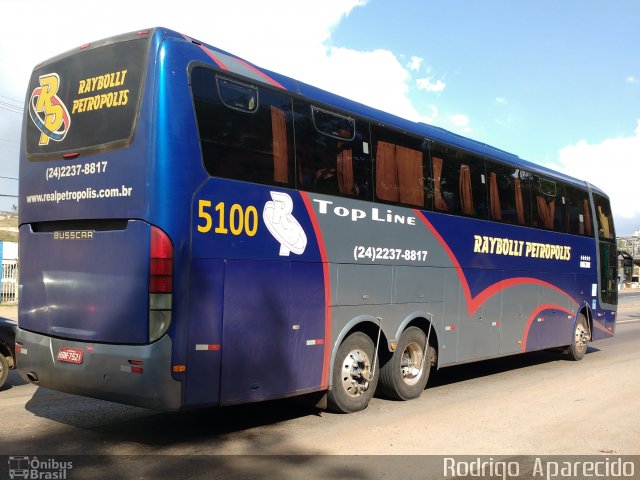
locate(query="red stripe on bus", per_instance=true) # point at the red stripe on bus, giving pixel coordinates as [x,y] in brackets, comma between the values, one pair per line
[452,257]
[474,303]
[210,54]
[327,288]
[496,288]
[245,64]
[220,63]
[263,75]
[534,314]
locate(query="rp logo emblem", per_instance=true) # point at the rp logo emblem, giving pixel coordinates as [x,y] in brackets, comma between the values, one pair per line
[47,111]
[283,225]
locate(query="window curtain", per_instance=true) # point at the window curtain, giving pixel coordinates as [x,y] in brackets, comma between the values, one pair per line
[280,150]
[386,172]
[519,202]
[345,172]
[410,176]
[399,176]
[466,195]
[440,204]
[494,197]
[587,217]
[604,223]
[546,211]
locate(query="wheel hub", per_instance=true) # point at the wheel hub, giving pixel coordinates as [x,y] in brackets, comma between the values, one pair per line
[582,337]
[356,373]
[411,363]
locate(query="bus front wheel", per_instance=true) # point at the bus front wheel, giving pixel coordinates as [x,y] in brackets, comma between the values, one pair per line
[354,376]
[4,369]
[405,375]
[581,336]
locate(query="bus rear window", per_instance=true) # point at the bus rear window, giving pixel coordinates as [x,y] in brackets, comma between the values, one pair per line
[246,132]
[84,101]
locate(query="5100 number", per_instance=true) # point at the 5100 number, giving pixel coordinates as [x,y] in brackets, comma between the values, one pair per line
[236,220]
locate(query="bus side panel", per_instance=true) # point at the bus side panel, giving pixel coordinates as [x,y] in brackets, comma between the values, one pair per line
[307,313]
[479,335]
[516,306]
[557,326]
[272,345]
[204,358]
[363,285]
[605,325]
[451,316]
[547,328]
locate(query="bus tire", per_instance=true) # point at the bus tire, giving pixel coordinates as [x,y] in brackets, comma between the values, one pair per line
[4,369]
[354,379]
[581,336]
[405,375]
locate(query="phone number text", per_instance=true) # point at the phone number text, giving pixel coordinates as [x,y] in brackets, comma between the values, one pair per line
[373,254]
[75,170]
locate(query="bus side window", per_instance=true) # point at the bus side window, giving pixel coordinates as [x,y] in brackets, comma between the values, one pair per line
[608,261]
[560,222]
[246,132]
[604,218]
[544,204]
[509,194]
[332,153]
[578,211]
[459,182]
[400,168]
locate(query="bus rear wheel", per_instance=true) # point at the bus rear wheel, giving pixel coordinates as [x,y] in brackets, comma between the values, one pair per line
[581,336]
[354,376]
[405,375]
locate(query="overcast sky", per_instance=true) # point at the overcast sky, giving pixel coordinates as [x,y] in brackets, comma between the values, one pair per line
[555,82]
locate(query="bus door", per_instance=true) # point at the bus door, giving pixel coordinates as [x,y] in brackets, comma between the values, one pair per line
[272,330]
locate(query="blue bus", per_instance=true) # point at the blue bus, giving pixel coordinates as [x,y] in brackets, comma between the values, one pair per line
[198,231]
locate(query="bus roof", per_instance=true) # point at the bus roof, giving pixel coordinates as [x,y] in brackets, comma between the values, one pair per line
[430,132]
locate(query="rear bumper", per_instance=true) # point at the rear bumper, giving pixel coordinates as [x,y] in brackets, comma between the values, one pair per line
[106,371]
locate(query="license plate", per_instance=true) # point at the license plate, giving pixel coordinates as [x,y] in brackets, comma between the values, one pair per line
[70,355]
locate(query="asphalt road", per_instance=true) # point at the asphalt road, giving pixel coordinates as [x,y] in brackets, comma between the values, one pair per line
[531,404]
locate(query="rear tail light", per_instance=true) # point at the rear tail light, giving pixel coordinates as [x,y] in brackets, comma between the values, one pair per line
[161,262]
[160,283]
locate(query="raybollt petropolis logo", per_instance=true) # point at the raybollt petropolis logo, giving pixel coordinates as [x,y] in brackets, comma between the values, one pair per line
[278,218]
[47,111]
